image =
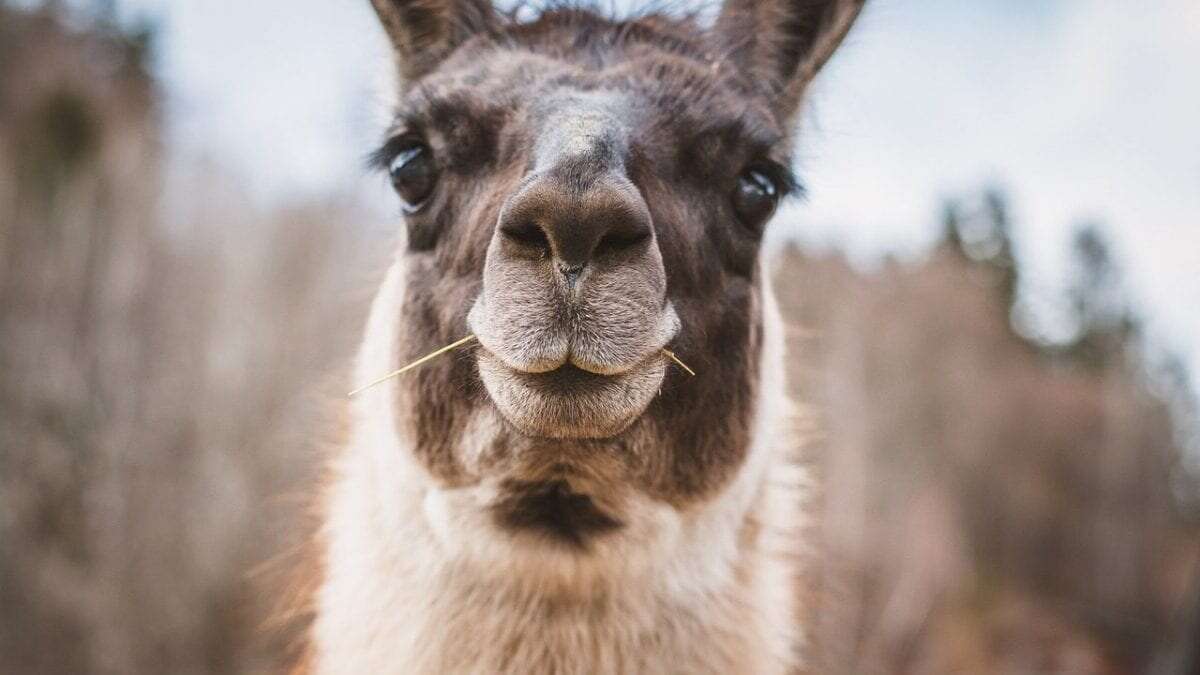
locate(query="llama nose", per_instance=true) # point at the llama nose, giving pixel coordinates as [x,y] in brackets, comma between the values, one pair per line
[570,273]
[554,218]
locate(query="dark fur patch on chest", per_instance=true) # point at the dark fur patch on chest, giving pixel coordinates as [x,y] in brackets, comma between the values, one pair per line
[553,511]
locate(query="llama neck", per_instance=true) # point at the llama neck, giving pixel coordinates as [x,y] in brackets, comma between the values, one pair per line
[418,580]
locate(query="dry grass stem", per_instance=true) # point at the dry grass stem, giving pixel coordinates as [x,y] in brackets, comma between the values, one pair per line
[455,345]
[424,359]
[671,355]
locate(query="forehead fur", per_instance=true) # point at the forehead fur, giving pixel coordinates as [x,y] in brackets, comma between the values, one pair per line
[663,65]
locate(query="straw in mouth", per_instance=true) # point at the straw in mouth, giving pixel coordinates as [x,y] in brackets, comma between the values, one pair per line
[671,355]
[459,343]
[421,361]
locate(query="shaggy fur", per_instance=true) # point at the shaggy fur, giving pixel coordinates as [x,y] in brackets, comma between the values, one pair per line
[559,499]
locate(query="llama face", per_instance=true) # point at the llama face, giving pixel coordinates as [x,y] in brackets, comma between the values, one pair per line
[581,193]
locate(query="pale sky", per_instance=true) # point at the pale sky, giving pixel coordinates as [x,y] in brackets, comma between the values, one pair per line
[1082,109]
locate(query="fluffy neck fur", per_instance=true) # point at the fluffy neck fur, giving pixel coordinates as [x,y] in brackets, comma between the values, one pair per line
[417,580]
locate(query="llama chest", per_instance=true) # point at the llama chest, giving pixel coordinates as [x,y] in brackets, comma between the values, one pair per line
[454,625]
[406,592]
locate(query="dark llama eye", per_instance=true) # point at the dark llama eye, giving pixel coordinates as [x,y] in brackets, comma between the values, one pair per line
[413,175]
[755,197]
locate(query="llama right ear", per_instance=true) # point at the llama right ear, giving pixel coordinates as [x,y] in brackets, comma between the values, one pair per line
[424,32]
[784,43]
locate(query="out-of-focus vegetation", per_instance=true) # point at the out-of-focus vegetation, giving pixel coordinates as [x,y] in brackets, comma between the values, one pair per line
[160,373]
[988,502]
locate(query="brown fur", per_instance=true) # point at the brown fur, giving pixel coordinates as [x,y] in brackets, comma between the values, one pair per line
[298,573]
[711,264]
[585,167]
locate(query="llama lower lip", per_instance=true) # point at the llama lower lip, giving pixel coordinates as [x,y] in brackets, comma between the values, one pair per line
[569,402]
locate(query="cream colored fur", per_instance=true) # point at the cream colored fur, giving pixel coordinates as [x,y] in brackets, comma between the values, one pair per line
[419,581]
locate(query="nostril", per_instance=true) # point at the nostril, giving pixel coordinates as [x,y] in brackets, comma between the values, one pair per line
[570,273]
[527,234]
[616,241]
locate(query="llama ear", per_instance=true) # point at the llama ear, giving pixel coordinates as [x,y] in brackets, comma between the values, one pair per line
[423,32]
[784,43]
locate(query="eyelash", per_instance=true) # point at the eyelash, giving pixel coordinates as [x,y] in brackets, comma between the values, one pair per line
[381,159]
[785,179]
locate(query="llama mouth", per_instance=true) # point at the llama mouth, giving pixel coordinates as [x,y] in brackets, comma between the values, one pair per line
[569,402]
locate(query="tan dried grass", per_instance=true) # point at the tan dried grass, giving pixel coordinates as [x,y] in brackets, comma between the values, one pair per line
[459,343]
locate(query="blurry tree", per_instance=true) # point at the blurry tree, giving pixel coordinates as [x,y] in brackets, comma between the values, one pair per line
[1176,380]
[999,228]
[952,223]
[153,378]
[980,510]
[979,228]
[78,184]
[1105,325]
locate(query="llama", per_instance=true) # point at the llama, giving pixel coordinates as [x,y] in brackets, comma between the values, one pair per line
[579,193]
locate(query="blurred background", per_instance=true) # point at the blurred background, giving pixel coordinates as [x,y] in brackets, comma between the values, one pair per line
[992,293]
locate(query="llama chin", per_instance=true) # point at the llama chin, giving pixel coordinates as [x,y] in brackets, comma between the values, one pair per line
[582,193]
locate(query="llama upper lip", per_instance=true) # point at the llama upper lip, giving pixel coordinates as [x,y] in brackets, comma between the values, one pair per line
[571,367]
[585,345]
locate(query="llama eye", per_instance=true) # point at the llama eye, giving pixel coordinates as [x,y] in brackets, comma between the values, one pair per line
[755,197]
[413,175]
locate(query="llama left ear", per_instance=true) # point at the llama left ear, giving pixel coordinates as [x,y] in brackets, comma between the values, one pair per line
[423,32]
[784,43]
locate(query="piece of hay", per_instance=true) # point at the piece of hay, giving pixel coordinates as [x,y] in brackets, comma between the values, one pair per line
[424,359]
[455,345]
[671,355]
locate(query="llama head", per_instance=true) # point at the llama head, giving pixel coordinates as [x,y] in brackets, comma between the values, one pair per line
[579,193]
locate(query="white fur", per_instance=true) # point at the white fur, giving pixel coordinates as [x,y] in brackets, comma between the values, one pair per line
[419,581]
